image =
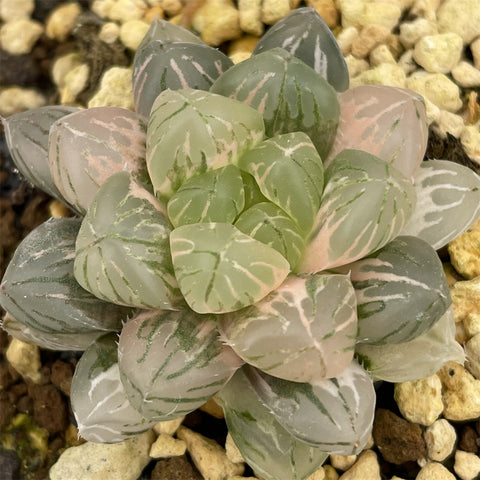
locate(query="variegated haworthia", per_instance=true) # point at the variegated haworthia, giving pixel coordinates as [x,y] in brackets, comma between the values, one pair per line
[122,248]
[304,331]
[191,131]
[173,362]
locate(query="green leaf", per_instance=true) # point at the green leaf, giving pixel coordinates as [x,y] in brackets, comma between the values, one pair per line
[220,269]
[365,204]
[213,196]
[272,452]
[173,362]
[191,132]
[122,248]
[304,331]
[289,172]
[290,95]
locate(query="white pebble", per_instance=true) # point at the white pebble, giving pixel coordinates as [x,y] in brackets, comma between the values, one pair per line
[171,7]
[17,37]
[433,112]
[361,13]
[16,99]
[346,37]
[365,467]
[466,75]
[125,10]
[449,122]
[472,352]
[461,17]
[16,9]
[232,451]
[440,439]
[165,446]
[381,54]
[25,359]
[102,7]
[438,53]
[132,33]
[470,139]
[62,20]
[434,471]
[475,48]
[115,89]
[342,462]
[412,32]
[109,32]
[426,9]
[76,80]
[63,65]
[467,465]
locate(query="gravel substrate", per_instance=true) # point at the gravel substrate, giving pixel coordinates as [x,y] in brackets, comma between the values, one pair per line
[80,53]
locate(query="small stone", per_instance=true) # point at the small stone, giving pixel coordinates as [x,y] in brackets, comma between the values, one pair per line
[420,401]
[109,32]
[472,353]
[466,299]
[123,11]
[62,21]
[426,9]
[370,36]
[464,252]
[397,440]
[462,18]
[434,471]
[461,393]
[466,75]
[17,37]
[365,467]
[448,122]
[274,10]
[318,474]
[16,9]
[16,99]
[132,33]
[362,13]
[438,53]
[327,10]
[249,14]
[467,465]
[175,468]
[213,408]
[438,88]
[166,446]
[169,426]
[115,89]
[475,48]
[76,80]
[412,32]
[342,462]
[63,65]
[25,359]
[355,65]
[471,324]
[208,456]
[407,63]
[96,461]
[384,74]
[330,473]
[232,451]
[381,54]
[346,38]
[470,139]
[171,7]
[440,438]
[102,7]
[152,13]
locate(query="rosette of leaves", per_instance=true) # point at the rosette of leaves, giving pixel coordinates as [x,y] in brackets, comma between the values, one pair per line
[255,232]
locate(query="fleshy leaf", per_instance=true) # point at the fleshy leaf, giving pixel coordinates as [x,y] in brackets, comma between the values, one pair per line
[401,291]
[419,358]
[272,452]
[270,225]
[40,291]
[26,134]
[122,248]
[192,131]
[365,204]
[448,202]
[304,331]
[305,34]
[213,196]
[335,415]
[220,269]
[99,401]
[387,122]
[173,362]
[159,66]
[289,94]
[289,172]
[88,146]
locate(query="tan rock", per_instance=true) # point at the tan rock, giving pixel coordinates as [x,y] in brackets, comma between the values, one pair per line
[18,37]
[330,473]
[470,138]
[232,451]
[115,89]
[434,471]
[132,33]
[407,63]
[461,17]
[125,10]
[370,36]
[102,7]
[472,353]
[172,7]
[16,99]
[475,48]
[275,10]
[250,17]
[362,13]
[467,465]
[355,65]
[318,474]
[466,75]
[168,427]
[62,20]
[440,439]
[466,298]
[412,32]
[109,32]
[165,446]
[152,13]
[213,408]
[76,80]
[63,65]
[365,467]
[25,359]
[381,54]
[471,324]
[426,8]
[346,38]
[465,253]
[342,462]
[384,74]
[16,9]
[327,10]
[448,122]
[438,53]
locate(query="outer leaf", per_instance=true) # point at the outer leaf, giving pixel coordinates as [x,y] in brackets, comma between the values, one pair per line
[26,134]
[220,269]
[122,248]
[289,94]
[416,359]
[88,146]
[448,202]
[388,122]
[161,65]
[173,362]
[304,331]
[304,33]
[401,291]
[272,452]
[213,196]
[270,225]
[99,401]
[289,172]
[365,204]
[335,415]
[191,131]
[40,291]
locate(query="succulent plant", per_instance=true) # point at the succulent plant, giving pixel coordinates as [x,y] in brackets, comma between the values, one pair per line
[256,232]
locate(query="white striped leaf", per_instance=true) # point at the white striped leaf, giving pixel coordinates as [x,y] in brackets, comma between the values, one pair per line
[26,134]
[159,66]
[173,362]
[213,196]
[335,415]
[122,248]
[99,401]
[271,451]
[448,202]
[289,172]
[304,331]
[191,131]
[39,289]
[401,291]
[289,94]
[365,204]
[270,225]
[88,146]
[388,122]
[220,269]
[418,358]
[305,34]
